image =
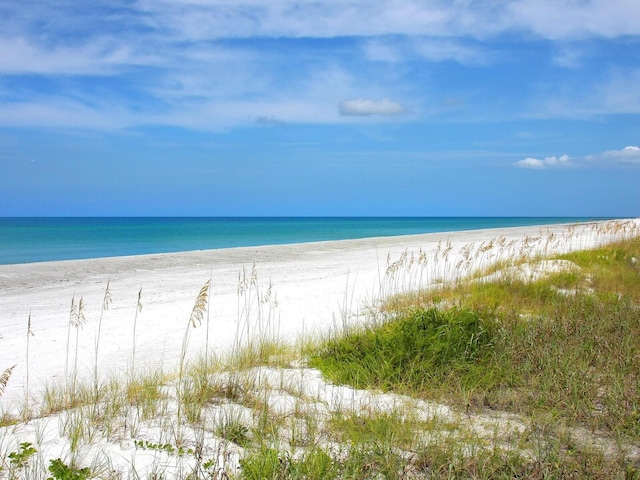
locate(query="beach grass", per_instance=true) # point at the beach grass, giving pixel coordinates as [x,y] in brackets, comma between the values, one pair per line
[562,351]
[468,365]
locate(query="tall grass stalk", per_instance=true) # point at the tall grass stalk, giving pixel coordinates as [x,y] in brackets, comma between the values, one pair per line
[206,343]
[76,320]
[135,323]
[79,323]
[246,285]
[244,304]
[72,319]
[29,335]
[195,319]
[106,302]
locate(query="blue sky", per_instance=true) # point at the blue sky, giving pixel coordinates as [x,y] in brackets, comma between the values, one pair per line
[352,107]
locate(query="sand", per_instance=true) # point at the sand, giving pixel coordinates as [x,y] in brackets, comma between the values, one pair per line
[313,285]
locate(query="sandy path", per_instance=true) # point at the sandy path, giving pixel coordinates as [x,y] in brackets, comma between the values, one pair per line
[309,280]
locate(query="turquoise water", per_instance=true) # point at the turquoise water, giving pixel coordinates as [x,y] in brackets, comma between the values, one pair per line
[25,240]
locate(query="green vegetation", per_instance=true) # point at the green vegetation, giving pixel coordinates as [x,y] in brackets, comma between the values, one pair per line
[61,471]
[563,351]
[20,458]
[20,466]
[416,352]
[578,357]
[268,463]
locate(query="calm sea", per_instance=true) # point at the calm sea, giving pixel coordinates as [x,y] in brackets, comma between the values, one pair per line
[25,240]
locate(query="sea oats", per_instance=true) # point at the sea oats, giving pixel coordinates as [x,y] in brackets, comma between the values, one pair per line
[200,306]
[4,379]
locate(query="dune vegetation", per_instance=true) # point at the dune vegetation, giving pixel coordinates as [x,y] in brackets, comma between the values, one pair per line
[516,362]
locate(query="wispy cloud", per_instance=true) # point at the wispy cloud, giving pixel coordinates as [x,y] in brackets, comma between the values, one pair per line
[397,50]
[550,19]
[567,19]
[63,113]
[619,92]
[612,91]
[627,156]
[173,61]
[364,107]
[96,57]
[569,56]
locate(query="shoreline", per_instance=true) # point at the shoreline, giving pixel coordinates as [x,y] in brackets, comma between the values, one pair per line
[22,276]
[84,238]
[312,283]
[297,248]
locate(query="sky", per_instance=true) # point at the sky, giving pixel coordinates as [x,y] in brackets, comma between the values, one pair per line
[320,108]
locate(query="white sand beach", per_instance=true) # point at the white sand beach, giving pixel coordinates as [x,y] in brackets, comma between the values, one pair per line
[312,286]
[288,292]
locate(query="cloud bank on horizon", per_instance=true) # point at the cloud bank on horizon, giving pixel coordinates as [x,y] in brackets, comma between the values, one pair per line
[438,88]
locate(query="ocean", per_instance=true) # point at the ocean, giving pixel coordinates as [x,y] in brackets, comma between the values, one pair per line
[27,240]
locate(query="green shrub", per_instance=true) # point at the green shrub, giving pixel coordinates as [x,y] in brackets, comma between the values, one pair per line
[62,471]
[424,348]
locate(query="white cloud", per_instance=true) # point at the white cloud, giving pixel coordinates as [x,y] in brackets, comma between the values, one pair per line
[549,19]
[570,19]
[165,57]
[194,20]
[290,18]
[548,162]
[363,107]
[627,156]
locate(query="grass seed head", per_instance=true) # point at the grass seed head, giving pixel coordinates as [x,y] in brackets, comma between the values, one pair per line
[4,378]
[200,306]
